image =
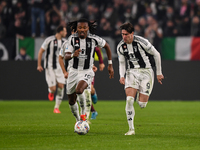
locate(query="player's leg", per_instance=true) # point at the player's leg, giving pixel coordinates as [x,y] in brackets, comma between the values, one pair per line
[60,89]
[146,87]
[73,105]
[81,86]
[85,78]
[59,97]
[130,111]
[94,100]
[93,93]
[71,93]
[87,93]
[51,81]
[94,112]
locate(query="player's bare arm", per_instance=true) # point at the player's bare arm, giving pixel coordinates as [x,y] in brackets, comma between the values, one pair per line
[39,66]
[62,65]
[160,78]
[69,55]
[110,67]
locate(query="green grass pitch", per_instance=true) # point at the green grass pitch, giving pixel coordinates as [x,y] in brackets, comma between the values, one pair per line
[162,125]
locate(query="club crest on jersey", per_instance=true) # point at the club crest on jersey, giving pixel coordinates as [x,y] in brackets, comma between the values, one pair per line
[135,48]
[124,46]
[88,43]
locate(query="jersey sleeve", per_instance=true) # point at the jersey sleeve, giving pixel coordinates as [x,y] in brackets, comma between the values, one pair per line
[122,64]
[68,46]
[100,41]
[44,44]
[62,50]
[149,48]
[157,59]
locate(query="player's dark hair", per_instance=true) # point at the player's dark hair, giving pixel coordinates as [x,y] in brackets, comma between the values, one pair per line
[23,48]
[73,25]
[59,28]
[128,27]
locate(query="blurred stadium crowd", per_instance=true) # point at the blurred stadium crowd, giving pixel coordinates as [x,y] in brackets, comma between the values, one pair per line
[153,19]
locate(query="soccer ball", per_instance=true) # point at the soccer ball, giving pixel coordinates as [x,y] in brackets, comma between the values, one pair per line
[81,127]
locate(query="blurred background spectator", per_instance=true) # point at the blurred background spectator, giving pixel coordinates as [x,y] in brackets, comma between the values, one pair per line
[37,11]
[22,55]
[153,19]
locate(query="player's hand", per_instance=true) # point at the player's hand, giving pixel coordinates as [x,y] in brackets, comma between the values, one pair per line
[111,71]
[66,75]
[94,68]
[160,78]
[122,80]
[39,68]
[101,66]
[76,53]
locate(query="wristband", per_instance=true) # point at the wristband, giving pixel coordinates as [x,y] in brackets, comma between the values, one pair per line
[72,55]
[109,62]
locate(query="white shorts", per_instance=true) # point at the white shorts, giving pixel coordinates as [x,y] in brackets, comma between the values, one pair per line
[141,79]
[75,76]
[53,76]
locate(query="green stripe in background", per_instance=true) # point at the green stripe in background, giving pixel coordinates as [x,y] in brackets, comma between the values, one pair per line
[168,48]
[29,44]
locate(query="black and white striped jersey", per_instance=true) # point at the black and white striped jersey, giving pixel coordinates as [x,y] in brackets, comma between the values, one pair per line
[52,47]
[139,54]
[85,59]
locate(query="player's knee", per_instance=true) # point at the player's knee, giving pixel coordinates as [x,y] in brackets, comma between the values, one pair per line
[79,91]
[71,102]
[129,102]
[142,104]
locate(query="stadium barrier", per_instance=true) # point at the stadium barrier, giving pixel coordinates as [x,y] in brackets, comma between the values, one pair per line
[20,80]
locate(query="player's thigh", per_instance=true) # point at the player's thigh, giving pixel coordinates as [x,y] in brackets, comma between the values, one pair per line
[50,77]
[147,81]
[71,82]
[86,76]
[132,79]
[130,91]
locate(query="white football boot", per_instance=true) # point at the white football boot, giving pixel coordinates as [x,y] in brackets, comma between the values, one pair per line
[130,132]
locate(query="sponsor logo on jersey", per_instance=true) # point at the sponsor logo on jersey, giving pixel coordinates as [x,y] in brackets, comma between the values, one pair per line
[126,50]
[132,57]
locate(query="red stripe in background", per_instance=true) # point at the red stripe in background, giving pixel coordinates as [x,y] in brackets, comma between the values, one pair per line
[195,48]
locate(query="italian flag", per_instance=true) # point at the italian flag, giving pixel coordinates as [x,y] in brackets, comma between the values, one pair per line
[181,48]
[32,46]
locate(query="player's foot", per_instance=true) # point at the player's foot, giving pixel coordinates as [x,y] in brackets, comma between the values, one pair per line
[83,117]
[56,110]
[94,115]
[94,98]
[51,96]
[130,132]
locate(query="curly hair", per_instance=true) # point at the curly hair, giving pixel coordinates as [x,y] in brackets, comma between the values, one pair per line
[92,25]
